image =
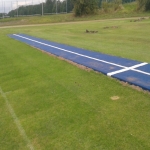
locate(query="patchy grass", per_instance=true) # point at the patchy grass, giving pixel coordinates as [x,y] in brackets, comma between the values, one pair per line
[63,107]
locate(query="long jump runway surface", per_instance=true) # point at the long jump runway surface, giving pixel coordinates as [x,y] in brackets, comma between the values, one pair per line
[133,72]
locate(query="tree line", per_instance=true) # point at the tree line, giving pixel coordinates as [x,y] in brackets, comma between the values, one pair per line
[84,7]
[80,7]
[49,7]
[143,5]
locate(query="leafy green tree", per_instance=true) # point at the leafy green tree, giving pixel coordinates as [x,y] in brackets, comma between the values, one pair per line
[143,5]
[70,5]
[85,7]
[147,5]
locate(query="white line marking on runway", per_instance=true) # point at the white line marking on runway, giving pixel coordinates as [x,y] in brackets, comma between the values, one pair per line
[16,120]
[126,69]
[143,72]
[72,52]
[109,74]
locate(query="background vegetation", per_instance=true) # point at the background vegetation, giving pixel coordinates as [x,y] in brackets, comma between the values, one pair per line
[143,5]
[126,11]
[80,7]
[62,107]
[85,7]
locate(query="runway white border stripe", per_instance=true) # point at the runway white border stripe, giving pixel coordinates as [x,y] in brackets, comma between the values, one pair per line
[108,74]
[16,120]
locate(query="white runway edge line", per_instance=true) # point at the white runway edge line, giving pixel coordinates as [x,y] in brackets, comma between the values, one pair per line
[109,74]
[16,120]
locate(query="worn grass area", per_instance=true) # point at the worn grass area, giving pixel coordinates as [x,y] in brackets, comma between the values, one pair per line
[128,10]
[63,107]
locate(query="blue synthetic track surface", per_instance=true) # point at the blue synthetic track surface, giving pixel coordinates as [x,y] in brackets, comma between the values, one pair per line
[133,72]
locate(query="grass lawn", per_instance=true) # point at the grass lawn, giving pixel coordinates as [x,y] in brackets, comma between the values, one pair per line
[62,107]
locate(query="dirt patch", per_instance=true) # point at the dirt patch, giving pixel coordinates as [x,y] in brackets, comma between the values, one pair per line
[75,64]
[112,27]
[140,19]
[114,98]
[134,87]
[87,31]
[111,68]
[131,79]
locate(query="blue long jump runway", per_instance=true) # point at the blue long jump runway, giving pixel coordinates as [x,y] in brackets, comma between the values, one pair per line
[133,72]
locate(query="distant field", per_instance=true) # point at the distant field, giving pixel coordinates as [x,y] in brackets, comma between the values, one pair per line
[60,106]
[128,10]
[128,40]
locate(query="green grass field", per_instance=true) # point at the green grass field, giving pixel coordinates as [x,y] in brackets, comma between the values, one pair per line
[62,107]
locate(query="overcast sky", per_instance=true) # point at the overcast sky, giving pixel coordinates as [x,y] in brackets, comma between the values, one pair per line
[7,5]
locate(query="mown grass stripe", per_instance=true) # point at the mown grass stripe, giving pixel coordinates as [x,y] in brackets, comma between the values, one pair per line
[16,120]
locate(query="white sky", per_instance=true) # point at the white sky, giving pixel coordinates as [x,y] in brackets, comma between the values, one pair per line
[7,5]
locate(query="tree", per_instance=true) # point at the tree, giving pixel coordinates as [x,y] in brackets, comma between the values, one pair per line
[70,5]
[50,6]
[147,5]
[85,7]
[143,5]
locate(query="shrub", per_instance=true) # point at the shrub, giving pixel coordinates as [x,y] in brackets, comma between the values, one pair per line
[111,6]
[85,7]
